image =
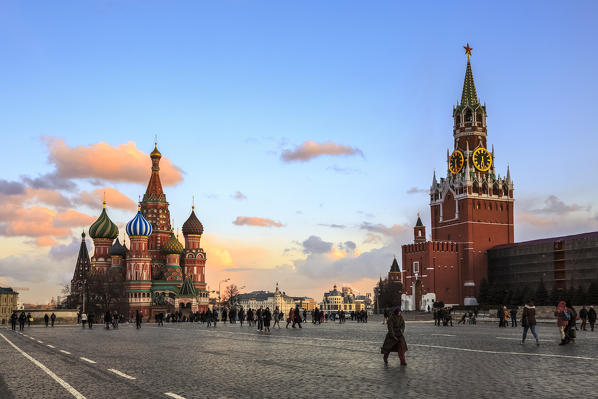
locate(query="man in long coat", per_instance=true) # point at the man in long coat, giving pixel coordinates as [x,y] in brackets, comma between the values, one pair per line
[395,338]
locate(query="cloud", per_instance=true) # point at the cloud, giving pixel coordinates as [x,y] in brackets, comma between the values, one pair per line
[315,245]
[333,226]
[534,220]
[256,221]
[415,190]
[239,196]
[39,221]
[345,171]
[372,238]
[114,198]
[50,181]
[69,251]
[310,149]
[11,187]
[553,204]
[124,162]
[393,231]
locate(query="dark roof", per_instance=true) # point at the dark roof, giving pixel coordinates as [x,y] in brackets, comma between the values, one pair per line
[395,266]
[187,289]
[7,291]
[257,295]
[192,225]
[116,249]
[419,222]
[582,236]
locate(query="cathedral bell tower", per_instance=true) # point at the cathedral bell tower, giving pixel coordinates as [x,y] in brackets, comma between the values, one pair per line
[419,231]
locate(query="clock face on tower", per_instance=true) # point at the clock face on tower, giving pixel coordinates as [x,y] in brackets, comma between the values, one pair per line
[482,160]
[456,162]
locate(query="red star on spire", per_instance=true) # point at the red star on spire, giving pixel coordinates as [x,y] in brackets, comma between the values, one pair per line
[467,49]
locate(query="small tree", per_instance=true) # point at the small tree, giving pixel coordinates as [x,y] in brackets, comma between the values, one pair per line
[484,294]
[230,294]
[592,293]
[541,294]
[106,291]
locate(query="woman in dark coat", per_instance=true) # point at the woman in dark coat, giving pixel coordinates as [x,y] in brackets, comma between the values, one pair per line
[395,339]
[267,316]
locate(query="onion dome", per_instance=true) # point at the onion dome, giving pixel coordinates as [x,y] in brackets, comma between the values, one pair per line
[139,226]
[173,245]
[192,226]
[155,153]
[117,249]
[103,227]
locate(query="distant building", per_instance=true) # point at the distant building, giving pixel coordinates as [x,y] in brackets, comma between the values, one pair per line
[388,291]
[267,299]
[562,263]
[343,300]
[305,303]
[8,303]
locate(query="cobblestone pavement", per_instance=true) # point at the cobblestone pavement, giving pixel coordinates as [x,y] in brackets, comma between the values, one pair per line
[191,361]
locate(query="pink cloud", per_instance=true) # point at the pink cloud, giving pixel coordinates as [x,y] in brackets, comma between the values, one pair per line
[45,242]
[114,199]
[124,162]
[534,220]
[255,221]
[39,221]
[310,149]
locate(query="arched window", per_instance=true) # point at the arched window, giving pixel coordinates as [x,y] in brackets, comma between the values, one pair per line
[495,189]
[479,118]
[485,188]
[505,190]
[468,115]
[476,187]
[458,120]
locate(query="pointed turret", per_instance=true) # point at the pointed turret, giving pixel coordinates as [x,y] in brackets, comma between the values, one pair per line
[154,190]
[434,181]
[508,174]
[395,265]
[469,95]
[419,231]
[82,267]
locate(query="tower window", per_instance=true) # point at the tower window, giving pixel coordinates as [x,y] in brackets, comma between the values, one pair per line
[468,116]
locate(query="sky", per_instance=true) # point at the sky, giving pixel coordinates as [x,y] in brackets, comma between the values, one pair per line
[307,132]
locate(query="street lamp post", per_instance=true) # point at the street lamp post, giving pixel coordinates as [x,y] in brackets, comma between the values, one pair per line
[219,293]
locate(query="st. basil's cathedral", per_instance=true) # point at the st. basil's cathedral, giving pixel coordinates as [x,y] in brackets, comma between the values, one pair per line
[159,273]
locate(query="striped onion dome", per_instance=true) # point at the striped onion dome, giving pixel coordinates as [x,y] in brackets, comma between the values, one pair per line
[173,245]
[139,226]
[192,225]
[103,227]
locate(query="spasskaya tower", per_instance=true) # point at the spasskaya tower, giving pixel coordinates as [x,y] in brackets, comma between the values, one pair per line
[471,208]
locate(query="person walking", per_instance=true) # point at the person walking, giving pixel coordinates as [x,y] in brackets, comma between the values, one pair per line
[13,321]
[583,315]
[46,319]
[83,319]
[514,316]
[267,316]
[297,318]
[395,338]
[291,318]
[52,318]
[260,318]
[591,317]
[22,319]
[528,321]
[241,315]
[562,319]
[29,319]
[107,320]
[215,317]
[276,319]
[137,319]
[90,320]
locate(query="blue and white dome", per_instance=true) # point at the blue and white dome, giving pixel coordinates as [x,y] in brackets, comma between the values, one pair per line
[139,226]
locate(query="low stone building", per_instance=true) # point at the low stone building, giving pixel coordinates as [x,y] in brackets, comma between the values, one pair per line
[8,303]
[343,300]
[267,299]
